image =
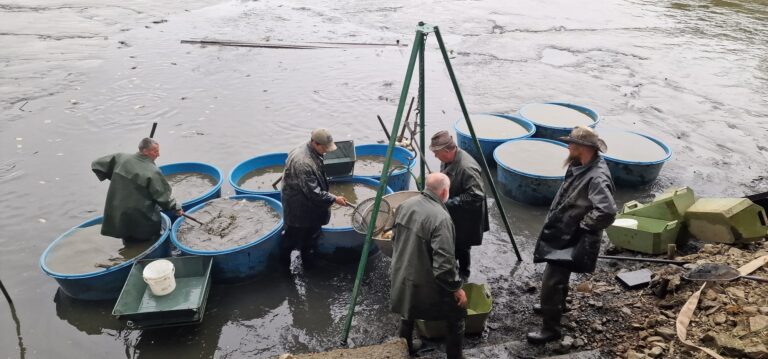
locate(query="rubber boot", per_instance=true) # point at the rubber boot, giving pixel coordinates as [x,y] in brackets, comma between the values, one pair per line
[550,330]
[454,341]
[406,332]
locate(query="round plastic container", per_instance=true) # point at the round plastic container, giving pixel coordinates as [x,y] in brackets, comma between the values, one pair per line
[197,167]
[255,163]
[488,143]
[104,284]
[634,170]
[554,128]
[538,182]
[159,275]
[243,261]
[400,179]
[395,200]
[343,243]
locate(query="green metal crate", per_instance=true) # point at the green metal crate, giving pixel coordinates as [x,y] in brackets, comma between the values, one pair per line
[669,206]
[652,236]
[340,163]
[726,220]
[479,305]
[138,308]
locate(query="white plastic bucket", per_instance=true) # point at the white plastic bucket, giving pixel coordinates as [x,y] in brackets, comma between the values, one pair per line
[159,275]
[626,223]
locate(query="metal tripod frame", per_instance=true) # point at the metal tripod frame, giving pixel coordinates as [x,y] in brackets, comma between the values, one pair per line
[422,30]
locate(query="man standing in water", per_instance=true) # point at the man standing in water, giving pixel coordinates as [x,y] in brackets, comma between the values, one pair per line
[137,192]
[424,273]
[306,200]
[467,204]
[570,239]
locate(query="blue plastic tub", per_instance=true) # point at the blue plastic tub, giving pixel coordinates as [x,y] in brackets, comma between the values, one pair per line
[245,167]
[554,133]
[343,243]
[487,145]
[198,167]
[243,261]
[400,179]
[104,284]
[636,173]
[526,187]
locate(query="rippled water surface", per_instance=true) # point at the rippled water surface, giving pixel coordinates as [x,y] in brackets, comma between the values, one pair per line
[84,78]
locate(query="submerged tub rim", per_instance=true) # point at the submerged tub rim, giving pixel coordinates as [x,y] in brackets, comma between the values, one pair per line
[411,164]
[585,110]
[661,144]
[233,183]
[92,222]
[528,124]
[183,165]
[526,174]
[278,227]
[356,179]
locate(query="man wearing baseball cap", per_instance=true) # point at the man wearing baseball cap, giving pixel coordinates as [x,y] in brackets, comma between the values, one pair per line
[305,197]
[570,239]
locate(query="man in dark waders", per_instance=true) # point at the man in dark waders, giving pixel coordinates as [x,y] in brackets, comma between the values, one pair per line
[570,239]
[424,273]
[137,193]
[467,204]
[306,200]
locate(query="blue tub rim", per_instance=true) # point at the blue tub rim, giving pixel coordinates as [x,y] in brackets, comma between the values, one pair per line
[530,126]
[92,222]
[365,180]
[663,145]
[278,227]
[248,191]
[211,192]
[411,164]
[526,174]
[583,109]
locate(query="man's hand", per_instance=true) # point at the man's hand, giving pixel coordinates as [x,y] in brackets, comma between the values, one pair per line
[180,212]
[461,298]
[341,201]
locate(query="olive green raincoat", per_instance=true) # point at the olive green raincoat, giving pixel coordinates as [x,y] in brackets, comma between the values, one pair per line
[467,204]
[137,192]
[424,272]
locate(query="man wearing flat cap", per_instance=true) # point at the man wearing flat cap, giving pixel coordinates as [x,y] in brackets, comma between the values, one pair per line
[467,204]
[305,197]
[570,239]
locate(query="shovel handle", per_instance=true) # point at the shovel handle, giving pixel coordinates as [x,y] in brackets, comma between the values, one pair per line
[192,218]
[649,260]
[755,278]
[154,127]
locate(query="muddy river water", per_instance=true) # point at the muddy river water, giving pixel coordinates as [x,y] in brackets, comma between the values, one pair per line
[80,79]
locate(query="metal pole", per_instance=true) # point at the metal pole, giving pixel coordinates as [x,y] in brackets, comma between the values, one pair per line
[418,43]
[422,111]
[484,164]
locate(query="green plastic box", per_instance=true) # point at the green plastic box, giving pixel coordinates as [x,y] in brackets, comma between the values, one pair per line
[726,220]
[652,235]
[669,206]
[479,305]
[138,308]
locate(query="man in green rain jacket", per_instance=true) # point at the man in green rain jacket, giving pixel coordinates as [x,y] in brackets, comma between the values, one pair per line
[137,192]
[424,273]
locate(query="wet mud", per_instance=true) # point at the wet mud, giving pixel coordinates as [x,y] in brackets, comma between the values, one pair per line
[372,165]
[227,224]
[86,250]
[493,127]
[354,193]
[691,73]
[190,185]
[534,157]
[556,115]
[261,179]
[631,147]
